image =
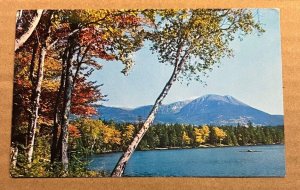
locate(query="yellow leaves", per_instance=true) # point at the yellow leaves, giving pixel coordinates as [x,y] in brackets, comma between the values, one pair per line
[129,132]
[111,135]
[220,134]
[206,130]
[96,15]
[110,29]
[105,36]
[201,134]
[185,138]
[97,130]
[91,127]
[52,67]
[50,85]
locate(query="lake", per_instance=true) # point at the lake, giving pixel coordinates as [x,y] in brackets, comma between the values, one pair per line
[210,162]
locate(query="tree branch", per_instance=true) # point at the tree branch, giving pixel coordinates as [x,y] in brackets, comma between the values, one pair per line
[35,21]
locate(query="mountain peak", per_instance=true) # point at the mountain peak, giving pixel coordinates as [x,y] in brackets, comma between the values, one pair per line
[208,109]
[215,97]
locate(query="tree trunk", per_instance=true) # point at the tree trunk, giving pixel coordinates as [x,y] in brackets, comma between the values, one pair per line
[35,21]
[36,93]
[32,62]
[35,104]
[68,89]
[54,143]
[66,110]
[14,155]
[55,148]
[19,15]
[120,167]
[93,145]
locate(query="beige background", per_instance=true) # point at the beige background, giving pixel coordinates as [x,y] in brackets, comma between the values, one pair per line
[290,30]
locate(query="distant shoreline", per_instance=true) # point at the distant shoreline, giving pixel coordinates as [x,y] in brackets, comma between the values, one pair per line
[199,147]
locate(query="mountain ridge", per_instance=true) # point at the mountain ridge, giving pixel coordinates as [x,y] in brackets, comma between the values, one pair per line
[208,109]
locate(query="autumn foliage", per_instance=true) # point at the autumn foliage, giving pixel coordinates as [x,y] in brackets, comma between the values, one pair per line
[54,98]
[52,69]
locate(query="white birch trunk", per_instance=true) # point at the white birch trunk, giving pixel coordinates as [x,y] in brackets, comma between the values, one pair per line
[36,96]
[36,105]
[35,21]
[14,156]
[120,167]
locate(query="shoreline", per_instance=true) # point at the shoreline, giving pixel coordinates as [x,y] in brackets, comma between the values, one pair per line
[187,147]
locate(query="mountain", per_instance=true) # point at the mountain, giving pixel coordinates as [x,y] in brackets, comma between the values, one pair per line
[208,109]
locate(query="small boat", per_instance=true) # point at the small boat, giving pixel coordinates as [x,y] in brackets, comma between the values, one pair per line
[249,150]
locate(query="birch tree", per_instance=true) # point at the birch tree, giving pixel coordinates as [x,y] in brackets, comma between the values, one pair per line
[30,29]
[192,41]
[37,88]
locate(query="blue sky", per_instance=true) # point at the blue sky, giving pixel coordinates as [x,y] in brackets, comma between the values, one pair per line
[253,76]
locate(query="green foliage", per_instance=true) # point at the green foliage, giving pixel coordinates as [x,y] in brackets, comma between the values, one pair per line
[176,135]
[199,38]
[41,166]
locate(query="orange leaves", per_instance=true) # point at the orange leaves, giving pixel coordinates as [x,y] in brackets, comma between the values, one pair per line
[74,131]
[84,94]
[127,20]
[22,58]
[23,86]
[97,40]
[88,36]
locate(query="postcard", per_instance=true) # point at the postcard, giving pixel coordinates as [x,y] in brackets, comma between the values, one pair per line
[147,92]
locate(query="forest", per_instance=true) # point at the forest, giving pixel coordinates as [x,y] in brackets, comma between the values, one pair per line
[96,136]
[91,136]
[56,51]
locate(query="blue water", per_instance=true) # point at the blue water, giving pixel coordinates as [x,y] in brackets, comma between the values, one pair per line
[228,161]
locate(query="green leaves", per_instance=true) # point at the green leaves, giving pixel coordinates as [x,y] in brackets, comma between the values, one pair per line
[201,36]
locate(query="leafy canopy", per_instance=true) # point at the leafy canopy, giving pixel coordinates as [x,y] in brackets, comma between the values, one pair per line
[199,36]
[108,34]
